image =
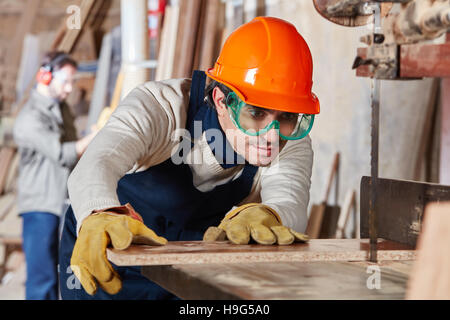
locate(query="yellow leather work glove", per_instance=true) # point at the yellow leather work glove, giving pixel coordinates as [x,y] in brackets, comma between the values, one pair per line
[255,220]
[89,262]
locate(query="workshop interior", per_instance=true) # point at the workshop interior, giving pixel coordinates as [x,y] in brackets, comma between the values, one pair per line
[132,163]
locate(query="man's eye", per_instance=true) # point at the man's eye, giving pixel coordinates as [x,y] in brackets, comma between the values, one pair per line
[289,116]
[256,113]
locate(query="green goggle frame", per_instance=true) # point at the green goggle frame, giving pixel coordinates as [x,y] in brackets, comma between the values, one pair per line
[235,105]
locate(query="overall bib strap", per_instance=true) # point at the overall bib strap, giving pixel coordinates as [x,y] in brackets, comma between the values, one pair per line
[196,96]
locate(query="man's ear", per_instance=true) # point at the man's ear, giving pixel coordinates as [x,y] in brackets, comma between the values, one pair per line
[218,98]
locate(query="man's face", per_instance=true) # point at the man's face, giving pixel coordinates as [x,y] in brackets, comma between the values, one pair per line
[257,150]
[62,83]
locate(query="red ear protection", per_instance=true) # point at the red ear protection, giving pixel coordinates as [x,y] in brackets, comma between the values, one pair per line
[44,76]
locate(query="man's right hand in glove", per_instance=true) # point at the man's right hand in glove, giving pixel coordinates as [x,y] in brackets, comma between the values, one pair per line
[118,226]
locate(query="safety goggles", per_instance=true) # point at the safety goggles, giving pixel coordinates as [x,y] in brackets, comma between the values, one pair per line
[256,121]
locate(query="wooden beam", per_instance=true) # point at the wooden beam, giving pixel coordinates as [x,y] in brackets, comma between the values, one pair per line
[6,157]
[416,61]
[283,280]
[193,252]
[425,60]
[186,38]
[348,206]
[430,278]
[71,36]
[323,217]
[427,130]
[168,40]
[444,166]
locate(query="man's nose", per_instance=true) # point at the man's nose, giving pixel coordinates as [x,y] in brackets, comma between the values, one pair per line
[272,136]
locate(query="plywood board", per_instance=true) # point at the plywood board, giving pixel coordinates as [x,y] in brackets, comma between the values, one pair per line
[283,280]
[194,252]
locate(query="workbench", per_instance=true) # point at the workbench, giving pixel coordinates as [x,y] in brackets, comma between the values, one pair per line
[319,269]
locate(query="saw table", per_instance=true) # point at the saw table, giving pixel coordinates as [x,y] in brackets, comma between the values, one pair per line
[319,269]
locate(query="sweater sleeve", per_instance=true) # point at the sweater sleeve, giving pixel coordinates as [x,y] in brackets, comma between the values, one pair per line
[138,132]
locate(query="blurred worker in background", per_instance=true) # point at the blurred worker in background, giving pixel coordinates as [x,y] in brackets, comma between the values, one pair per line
[242,170]
[46,138]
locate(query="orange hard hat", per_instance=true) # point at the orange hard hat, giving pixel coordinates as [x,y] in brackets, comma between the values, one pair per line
[267,63]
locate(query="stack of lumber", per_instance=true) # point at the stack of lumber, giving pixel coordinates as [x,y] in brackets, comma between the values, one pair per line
[191,36]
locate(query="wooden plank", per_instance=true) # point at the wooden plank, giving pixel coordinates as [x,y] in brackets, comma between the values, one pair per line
[315,220]
[416,61]
[201,33]
[7,202]
[429,115]
[323,218]
[13,173]
[6,158]
[430,278]
[29,63]
[11,224]
[400,207]
[349,205]
[284,280]
[11,240]
[186,39]
[71,36]
[193,252]
[99,94]
[86,49]
[168,43]
[214,20]
[425,60]
[444,163]
[108,111]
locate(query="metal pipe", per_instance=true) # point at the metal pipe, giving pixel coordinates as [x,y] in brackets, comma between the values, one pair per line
[135,43]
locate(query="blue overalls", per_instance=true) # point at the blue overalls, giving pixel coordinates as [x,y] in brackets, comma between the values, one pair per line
[169,203]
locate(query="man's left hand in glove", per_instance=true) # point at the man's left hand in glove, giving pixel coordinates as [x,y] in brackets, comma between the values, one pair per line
[254,221]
